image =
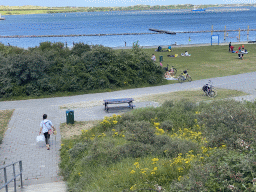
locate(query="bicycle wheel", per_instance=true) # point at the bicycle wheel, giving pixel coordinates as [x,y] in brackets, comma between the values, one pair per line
[189,78]
[212,94]
[181,79]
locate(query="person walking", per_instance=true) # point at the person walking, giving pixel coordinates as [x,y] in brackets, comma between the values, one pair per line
[46,126]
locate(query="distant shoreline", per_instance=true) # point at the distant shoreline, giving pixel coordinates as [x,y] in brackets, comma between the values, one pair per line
[184,45]
[24,10]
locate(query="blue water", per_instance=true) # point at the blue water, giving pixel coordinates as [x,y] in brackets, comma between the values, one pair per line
[130,22]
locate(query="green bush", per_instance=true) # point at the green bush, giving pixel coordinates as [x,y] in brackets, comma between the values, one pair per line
[223,171]
[51,68]
[228,123]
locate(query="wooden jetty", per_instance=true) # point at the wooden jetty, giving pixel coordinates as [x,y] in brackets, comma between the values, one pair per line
[156,31]
[163,31]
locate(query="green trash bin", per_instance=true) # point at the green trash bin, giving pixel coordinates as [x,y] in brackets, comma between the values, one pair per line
[161,58]
[70,116]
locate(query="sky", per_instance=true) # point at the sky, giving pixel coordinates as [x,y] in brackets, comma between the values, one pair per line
[115,3]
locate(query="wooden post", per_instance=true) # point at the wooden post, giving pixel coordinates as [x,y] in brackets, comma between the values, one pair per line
[212,30]
[239,35]
[248,33]
[225,34]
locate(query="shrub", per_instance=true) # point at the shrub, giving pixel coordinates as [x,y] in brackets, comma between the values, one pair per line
[81,69]
[141,131]
[222,171]
[167,125]
[80,48]
[227,122]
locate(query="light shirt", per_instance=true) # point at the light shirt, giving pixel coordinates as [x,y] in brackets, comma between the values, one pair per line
[46,125]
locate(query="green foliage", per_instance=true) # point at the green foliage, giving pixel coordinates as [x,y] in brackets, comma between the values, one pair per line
[145,149]
[52,68]
[229,123]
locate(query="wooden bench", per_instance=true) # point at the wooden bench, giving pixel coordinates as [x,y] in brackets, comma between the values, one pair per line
[118,101]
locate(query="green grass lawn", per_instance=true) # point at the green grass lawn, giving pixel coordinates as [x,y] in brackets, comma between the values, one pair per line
[208,61]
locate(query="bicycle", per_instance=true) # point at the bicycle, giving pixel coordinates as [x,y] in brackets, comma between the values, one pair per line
[184,76]
[209,90]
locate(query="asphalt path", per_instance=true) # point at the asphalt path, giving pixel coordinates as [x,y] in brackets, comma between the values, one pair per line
[41,166]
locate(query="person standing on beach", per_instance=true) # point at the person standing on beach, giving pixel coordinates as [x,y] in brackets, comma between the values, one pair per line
[46,126]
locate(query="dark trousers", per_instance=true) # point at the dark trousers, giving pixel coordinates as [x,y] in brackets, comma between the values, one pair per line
[47,137]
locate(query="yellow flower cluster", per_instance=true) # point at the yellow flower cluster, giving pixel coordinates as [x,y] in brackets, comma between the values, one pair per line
[102,135]
[115,133]
[188,135]
[158,130]
[181,165]
[87,134]
[181,162]
[144,171]
[109,121]
[155,160]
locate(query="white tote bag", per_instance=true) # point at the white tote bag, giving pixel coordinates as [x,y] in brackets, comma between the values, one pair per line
[40,138]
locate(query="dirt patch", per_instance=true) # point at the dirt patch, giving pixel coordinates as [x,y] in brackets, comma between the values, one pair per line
[69,131]
[84,104]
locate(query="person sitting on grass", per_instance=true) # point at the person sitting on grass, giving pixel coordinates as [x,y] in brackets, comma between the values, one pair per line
[232,48]
[171,72]
[153,57]
[186,54]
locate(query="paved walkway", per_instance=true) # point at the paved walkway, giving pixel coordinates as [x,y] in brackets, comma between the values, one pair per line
[41,166]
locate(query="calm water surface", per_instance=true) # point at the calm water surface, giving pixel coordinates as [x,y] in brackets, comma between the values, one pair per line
[129,22]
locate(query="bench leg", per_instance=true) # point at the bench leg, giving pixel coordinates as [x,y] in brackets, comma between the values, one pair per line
[130,105]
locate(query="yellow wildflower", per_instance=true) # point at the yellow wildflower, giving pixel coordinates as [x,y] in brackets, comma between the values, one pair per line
[155,160]
[136,164]
[156,124]
[132,171]
[133,187]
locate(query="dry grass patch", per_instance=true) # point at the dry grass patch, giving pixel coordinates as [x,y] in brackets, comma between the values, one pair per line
[84,104]
[70,130]
[192,95]
[5,116]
